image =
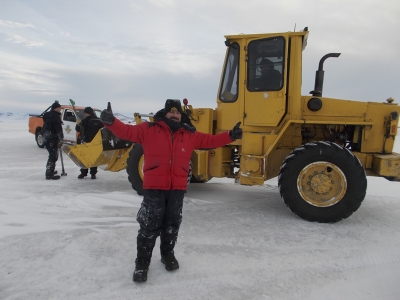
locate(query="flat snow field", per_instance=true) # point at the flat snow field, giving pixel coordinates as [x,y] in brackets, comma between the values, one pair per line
[75,239]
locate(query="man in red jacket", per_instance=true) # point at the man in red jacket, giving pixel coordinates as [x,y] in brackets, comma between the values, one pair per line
[167,143]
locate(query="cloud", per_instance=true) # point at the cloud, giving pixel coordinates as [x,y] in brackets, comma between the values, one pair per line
[10,24]
[23,73]
[16,39]
[141,53]
[163,3]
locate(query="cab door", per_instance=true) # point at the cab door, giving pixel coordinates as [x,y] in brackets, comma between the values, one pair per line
[265,97]
[69,122]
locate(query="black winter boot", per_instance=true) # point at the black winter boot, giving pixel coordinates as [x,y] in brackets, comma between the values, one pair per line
[50,173]
[142,262]
[167,245]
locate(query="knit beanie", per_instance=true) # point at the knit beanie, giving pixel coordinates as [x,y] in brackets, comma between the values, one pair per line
[88,110]
[55,105]
[172,105]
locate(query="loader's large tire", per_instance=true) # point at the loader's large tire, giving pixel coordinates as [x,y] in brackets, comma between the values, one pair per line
[322,182]
[39,138]
[134,168]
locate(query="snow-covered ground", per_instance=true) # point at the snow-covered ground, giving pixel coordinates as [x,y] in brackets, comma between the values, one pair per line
[75,239]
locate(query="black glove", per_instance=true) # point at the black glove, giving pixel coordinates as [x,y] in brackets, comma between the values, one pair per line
[107,117]
[236,132]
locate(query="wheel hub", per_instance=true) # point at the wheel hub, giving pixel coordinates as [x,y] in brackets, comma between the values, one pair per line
[321,184]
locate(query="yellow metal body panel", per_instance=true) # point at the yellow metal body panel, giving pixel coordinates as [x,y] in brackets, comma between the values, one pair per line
[252,157]
[335,110]
[374,137]
[264,108]
[246,179]
[220,162]
[365,159]
[267,151]
[202,119]
[289,139]
[227,115]
[200,167]
[255,143]
[387,165]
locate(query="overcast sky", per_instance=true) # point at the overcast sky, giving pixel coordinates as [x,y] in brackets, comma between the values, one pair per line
[136,54]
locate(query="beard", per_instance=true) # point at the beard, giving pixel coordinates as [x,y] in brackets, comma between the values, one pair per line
[173,124]
[174,119]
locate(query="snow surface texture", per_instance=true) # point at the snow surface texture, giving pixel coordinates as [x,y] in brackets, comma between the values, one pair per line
[76,239]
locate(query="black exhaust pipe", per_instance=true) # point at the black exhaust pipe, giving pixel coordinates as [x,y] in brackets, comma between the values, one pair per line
[319,76]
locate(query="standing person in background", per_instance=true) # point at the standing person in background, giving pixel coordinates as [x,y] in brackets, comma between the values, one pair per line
[52,138]
[89,126]
[168,143]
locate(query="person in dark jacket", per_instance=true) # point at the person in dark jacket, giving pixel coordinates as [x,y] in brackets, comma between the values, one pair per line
[52,138]
[270,77]
[167,144]
[89,126]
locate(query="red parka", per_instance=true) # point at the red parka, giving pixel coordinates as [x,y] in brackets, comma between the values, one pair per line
[166,154]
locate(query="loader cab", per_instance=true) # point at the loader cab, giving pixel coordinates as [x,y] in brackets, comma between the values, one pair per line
[261,64]
[254,84]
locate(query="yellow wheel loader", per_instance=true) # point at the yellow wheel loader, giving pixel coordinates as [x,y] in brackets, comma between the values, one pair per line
[321,148]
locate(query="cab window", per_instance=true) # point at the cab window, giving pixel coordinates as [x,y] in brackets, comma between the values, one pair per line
[265,66]
[229,86]
[69,116]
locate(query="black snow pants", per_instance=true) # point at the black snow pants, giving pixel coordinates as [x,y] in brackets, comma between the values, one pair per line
[52,148]
[160,213]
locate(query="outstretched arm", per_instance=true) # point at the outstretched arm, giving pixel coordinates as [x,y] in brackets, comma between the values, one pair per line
[133,133]
[209,141]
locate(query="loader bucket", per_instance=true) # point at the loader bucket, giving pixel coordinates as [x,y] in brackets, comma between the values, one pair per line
[105,151]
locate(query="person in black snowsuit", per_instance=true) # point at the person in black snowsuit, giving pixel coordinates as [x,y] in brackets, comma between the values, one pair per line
[52,137]
[89,126]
